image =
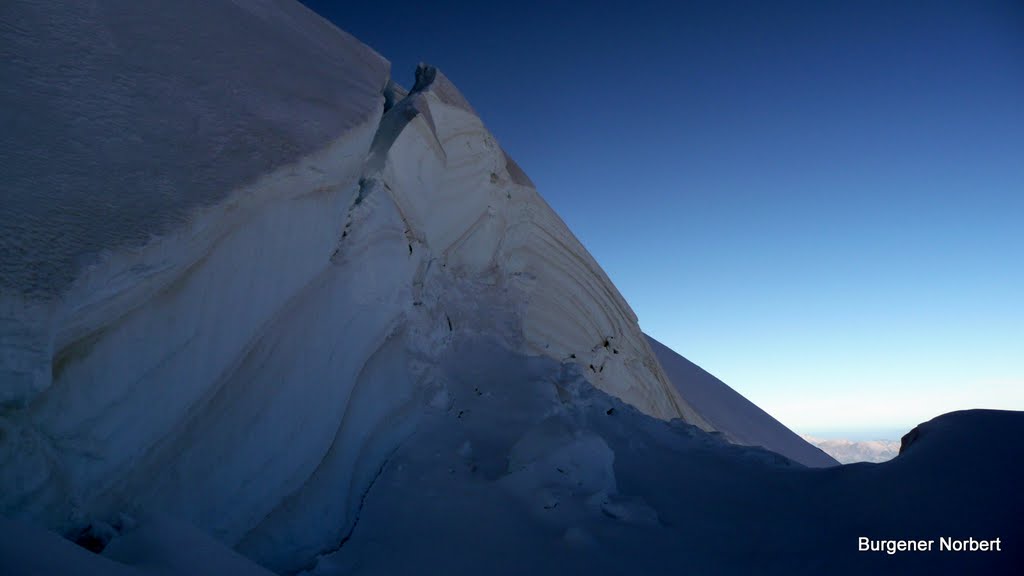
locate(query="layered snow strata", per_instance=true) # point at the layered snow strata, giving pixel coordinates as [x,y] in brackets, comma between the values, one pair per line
[480,217]
[134,128]
[171,320]
[225,284]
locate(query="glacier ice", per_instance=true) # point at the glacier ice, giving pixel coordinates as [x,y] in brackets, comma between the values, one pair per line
[287,272]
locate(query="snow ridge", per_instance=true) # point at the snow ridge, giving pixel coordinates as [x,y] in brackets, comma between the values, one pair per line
[739,419]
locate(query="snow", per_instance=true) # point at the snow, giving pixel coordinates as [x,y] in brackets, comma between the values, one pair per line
[136,131]
[250,360]
[528,468]
[131,125]
[261,306]
[158,547]
[740,420]
[452,183]
[556,483]
[26,549]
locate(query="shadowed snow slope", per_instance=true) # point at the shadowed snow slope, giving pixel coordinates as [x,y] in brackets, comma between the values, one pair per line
[728,412]
[519,466]
[593,487]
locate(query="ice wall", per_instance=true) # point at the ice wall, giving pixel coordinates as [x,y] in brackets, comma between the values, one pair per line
[227,272]
[127,122]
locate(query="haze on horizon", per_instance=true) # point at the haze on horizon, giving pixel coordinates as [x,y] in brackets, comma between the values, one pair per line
[819,204]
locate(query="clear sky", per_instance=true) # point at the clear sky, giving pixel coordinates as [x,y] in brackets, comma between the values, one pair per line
[821,203]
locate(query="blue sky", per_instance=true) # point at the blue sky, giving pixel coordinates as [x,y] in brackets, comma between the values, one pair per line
[821,203]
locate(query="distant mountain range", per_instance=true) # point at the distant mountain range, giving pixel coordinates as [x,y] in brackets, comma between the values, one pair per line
[850,451]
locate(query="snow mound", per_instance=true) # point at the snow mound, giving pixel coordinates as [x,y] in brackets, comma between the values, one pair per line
[594,486]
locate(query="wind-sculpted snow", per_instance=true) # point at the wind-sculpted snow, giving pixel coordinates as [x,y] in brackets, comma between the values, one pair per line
[452,183]
[137,136]
[122,118]
[230,312]
[519,466]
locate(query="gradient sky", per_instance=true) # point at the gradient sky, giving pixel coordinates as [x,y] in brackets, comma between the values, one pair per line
[821,203]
